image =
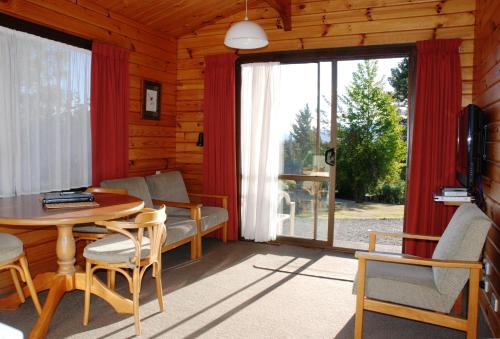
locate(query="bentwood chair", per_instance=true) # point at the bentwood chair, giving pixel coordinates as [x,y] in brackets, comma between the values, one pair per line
[12,258]
[92,232]
[129,248]
[426,289]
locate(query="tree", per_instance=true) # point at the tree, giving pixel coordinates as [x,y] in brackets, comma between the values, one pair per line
[399,81]
[370,147]
[303,136]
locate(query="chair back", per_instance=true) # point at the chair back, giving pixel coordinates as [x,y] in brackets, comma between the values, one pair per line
[135,186]
[463,239]
[151,220]
[168,186]
[107,190]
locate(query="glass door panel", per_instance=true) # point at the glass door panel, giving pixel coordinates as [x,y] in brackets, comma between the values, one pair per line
[305,177]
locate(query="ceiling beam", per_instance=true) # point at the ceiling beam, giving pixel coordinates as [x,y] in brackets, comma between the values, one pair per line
[284,8]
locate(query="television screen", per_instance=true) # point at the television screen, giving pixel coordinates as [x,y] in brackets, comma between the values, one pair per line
[469,145]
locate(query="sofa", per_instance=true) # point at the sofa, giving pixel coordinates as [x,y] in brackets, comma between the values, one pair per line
[187,222]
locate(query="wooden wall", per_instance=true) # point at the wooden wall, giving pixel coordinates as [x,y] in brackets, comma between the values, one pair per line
[315,24]
[152,56]
[487,96]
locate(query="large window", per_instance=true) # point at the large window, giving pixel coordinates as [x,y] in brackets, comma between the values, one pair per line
[45,141]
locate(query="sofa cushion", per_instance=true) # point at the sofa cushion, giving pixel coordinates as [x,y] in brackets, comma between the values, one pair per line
[463,239]
[210,216]
[168,186]
[410,285]
[179,228]
[135,186]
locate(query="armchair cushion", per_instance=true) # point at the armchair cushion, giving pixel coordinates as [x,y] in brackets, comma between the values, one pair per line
[135,186]
[168,186]
[463,239]
[10,247]
[115,248]
[410,285]
[210,216]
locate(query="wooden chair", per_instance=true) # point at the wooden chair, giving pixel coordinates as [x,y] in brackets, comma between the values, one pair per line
[124,251]
[425,289]
[92,232]
[12,257]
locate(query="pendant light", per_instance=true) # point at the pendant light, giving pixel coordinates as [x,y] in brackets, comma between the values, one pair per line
[246,34]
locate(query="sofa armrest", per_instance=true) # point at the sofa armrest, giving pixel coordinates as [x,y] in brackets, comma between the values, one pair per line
[412,260]
[193,206]
[374,234]
[224,198]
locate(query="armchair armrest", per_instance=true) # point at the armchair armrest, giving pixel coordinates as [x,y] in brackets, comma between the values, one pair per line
[193,206]
[224,198]
[374,234]
[411,260]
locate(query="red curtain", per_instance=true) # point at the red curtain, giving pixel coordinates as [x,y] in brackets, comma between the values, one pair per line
[109,112]
[438,101]
[219,129]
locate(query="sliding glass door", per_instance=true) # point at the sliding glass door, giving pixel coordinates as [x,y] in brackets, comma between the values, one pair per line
[305,178]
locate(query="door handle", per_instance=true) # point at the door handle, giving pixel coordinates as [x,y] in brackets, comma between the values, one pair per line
[330,156]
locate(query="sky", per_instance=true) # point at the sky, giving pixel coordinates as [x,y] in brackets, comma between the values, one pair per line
[299,82]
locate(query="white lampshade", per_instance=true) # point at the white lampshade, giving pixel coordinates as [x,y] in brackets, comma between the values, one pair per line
[246,34]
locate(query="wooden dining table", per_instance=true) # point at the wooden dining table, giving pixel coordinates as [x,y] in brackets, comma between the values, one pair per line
[27,210]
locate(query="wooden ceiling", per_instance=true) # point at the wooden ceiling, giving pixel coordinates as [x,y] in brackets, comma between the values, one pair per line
[180,17]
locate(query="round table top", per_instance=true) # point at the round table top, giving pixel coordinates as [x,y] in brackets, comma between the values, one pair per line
[27,210]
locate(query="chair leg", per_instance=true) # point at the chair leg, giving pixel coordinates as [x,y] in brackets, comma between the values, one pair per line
[199,246]
[31,286]
[224,233]
[135,299]
[111,276]
[194,253]
[159,289]
[88,285]
[473,304]
[19,290]
[360,298]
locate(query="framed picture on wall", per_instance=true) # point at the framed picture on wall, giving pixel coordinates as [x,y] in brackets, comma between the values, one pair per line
[151,100]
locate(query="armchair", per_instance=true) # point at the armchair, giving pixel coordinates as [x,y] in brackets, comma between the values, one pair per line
[425,289]
[169,189]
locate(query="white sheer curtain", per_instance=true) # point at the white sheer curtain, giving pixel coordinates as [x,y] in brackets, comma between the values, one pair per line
[45,141]
[260,147]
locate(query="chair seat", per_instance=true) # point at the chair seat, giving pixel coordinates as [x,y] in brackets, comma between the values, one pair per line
[90,228]
[10,247]
[179,228]
[115,248]
[210,216]
[411,285]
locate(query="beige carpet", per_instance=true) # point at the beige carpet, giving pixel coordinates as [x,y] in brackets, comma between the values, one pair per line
[241,290]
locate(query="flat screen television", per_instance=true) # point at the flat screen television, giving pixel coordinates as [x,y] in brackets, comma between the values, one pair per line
[470,146]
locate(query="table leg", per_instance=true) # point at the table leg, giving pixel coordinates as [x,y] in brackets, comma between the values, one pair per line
[57,290]
[66,249]
[42,282]
[118,302]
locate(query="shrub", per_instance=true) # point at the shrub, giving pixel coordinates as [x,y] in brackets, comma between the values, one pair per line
[392,193]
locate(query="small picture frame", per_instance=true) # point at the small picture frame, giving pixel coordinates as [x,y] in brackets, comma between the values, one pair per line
[151,100]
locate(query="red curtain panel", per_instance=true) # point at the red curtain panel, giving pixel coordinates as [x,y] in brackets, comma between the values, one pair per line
[219,129]
[432,165]
[109,112]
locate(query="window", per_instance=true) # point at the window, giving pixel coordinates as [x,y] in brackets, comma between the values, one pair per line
[45,141]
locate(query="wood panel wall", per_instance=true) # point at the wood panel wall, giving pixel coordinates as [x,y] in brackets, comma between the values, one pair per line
[152,57]
[315,24]
[487,96]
